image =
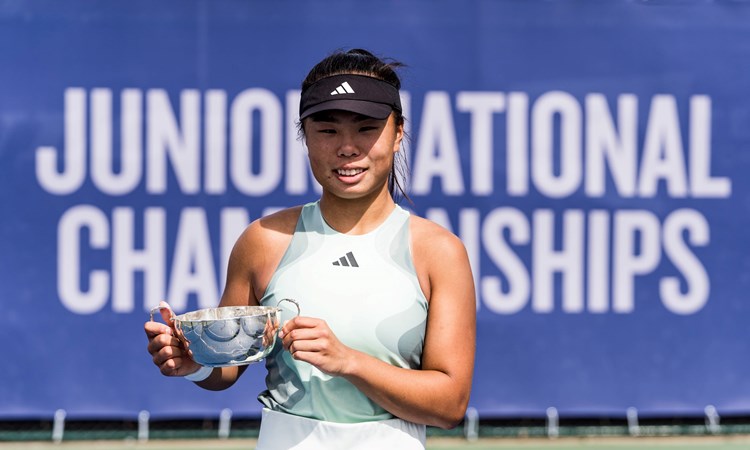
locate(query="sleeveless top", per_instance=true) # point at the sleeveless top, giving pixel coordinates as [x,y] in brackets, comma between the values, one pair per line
[366,288]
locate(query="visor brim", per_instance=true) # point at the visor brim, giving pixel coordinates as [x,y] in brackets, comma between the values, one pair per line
[366,108]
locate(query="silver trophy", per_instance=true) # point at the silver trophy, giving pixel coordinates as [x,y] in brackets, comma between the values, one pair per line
[228,335]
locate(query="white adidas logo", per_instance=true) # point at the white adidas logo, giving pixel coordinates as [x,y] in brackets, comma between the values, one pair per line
[343,89]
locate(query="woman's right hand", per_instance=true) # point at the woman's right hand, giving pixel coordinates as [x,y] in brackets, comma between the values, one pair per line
[167,351]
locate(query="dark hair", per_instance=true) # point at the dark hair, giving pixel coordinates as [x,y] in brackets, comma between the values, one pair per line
[355,61]
[362,62]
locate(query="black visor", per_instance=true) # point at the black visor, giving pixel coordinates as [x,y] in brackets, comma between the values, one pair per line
[355,93]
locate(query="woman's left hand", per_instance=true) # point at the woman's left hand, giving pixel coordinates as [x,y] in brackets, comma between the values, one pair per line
[311,340]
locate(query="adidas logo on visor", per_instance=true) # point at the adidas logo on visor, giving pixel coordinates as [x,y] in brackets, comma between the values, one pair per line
[344,88]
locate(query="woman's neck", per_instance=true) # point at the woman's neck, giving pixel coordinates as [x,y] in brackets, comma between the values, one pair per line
[356,216]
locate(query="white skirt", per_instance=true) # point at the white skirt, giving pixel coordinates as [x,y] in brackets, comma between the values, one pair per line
[281,431]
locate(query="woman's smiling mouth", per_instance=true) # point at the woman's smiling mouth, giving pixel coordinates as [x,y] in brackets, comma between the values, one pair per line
[349,172]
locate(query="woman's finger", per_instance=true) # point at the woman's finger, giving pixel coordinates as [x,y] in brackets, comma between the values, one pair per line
[299,322]
[162,340]
[154,329]
[302,335]
[166,353]
[308,345]
[170,367]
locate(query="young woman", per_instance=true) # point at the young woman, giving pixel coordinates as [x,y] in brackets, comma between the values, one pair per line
[386,341]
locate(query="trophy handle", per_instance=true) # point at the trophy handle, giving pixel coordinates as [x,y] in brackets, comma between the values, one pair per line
[290,300]
[156,309]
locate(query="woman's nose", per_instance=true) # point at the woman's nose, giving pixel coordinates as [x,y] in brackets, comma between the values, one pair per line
[347,146]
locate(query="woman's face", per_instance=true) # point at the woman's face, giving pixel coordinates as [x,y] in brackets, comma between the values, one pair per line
[351,155]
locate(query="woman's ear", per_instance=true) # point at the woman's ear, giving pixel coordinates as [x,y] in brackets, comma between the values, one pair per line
[399,137]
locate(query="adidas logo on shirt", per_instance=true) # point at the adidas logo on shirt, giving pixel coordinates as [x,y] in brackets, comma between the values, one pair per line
[344,88]
[346,261]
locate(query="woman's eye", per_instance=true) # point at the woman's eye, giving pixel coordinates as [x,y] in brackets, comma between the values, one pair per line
[327,131]
[363,129]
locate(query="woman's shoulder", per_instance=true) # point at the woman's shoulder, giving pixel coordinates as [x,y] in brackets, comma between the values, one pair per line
[283,220]
[279,225]
[430,239]
[263,242]
[439,256]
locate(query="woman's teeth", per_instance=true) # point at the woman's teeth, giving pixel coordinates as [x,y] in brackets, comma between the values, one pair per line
[348,172]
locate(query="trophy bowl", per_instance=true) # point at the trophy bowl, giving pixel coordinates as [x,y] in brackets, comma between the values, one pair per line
[228,335]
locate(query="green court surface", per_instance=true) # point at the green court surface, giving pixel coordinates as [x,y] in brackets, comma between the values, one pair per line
[617,443]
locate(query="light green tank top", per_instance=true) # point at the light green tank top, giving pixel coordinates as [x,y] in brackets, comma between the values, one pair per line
[366,289]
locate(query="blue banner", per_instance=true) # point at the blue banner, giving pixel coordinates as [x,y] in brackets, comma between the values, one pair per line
[592,156]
